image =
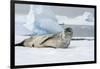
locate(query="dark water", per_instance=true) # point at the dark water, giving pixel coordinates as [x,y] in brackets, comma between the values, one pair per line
[81,30]
[78,30]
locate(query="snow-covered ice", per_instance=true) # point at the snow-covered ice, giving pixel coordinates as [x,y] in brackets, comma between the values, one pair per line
[78,51]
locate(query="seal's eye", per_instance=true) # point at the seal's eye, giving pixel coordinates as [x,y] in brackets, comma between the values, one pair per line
[68,29]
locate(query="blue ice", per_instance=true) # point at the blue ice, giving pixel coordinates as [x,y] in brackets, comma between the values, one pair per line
[46,23]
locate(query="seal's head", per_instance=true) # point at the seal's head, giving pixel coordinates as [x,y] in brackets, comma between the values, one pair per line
[67,35]
[68,32]
[68,29]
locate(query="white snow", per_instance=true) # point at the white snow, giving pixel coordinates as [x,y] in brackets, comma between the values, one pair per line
[91,38]
[78,51]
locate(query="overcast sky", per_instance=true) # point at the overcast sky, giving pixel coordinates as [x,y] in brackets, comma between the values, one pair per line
[63,11]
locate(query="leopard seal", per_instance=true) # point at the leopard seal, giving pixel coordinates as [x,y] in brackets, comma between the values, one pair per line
[58,40]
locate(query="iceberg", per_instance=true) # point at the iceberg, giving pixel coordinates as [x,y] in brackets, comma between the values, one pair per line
[39,21]
[21,30]
[45,21]
[86,18]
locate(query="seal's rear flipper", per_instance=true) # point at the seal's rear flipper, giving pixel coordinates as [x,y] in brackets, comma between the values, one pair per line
[20,44]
